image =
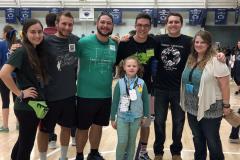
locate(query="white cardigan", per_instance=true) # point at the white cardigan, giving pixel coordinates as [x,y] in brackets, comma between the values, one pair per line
[209,90]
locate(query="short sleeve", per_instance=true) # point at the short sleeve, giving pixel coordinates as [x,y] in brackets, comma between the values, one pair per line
[16,58]
[220,69]
[78,48]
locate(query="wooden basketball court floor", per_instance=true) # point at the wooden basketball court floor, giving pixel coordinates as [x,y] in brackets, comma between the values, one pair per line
[109,140]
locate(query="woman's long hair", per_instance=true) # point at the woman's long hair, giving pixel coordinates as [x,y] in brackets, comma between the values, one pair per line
[36,56]
[210,52]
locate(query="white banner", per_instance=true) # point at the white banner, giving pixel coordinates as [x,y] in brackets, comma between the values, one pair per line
[86,14]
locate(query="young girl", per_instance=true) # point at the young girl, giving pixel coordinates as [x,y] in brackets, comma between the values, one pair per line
[130,107]
[28,64]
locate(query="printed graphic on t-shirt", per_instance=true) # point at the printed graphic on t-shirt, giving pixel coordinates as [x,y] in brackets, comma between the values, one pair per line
[102,60]
[170,58]
[144,57]
[65,60]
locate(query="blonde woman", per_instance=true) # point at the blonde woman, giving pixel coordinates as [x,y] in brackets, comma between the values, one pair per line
[205,96]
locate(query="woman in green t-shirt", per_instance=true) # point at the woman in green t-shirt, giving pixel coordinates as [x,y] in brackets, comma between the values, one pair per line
[28,62]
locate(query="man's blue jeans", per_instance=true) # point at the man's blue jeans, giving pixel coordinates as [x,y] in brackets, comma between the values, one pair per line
[162,101]
[206,134]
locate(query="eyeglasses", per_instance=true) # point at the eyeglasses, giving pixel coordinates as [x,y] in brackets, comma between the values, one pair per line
[145,26]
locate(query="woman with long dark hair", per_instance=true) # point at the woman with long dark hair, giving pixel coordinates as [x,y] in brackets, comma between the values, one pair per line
[9,38]
[28,62]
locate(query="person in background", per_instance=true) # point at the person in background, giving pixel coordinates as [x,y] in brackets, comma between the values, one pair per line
[236,67]
[51,24]
[9,38]
[51,29]
[205,95]
[29,64]
[130,106]
[234,135]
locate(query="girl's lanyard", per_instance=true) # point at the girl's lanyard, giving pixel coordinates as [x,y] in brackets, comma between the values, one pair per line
[131,93]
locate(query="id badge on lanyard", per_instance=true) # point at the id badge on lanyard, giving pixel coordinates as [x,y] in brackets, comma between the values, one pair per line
[133,94]
[71,48]
[124,103]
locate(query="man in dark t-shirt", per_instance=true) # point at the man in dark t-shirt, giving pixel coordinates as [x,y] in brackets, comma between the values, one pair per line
[61,89]
[172,53]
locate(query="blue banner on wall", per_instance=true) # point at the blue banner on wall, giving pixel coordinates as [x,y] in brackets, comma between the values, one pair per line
[10,15]
[195,16]
[55,10]
[24,14]
[162,15]
[117,15]
[221,16]
[149,11]
[237,13]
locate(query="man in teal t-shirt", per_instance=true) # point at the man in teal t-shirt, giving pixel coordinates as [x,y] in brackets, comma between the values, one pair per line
[97,55]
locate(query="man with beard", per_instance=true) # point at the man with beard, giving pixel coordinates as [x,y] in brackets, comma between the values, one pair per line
[97,54]
[61,89]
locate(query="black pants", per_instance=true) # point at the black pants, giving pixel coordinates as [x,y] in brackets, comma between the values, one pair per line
[235,131]
[28,123]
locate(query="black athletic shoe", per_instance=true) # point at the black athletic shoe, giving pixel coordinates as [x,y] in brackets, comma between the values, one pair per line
[79,158]
[95,156]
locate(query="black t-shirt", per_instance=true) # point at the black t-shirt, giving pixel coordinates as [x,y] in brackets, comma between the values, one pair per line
[62,67]
[143,51]
[172,54]
[25,76]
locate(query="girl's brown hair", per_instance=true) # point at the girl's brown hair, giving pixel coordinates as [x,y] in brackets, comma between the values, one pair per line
[121,71]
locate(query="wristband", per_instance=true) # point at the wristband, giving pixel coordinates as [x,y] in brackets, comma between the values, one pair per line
[20,97]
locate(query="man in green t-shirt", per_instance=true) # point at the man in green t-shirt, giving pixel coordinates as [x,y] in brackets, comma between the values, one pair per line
[97,55]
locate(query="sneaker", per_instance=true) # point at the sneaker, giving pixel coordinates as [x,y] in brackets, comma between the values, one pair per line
[96,156]
[52,145]
[158,157]
[236,141]
[3,129]
[152,117]
[79,157]
[143,156]
[73,141]
[176,157]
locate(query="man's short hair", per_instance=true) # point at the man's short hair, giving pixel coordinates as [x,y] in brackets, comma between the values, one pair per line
[143,15]
[50,19]
[64,13]
[174,14]
[104,13]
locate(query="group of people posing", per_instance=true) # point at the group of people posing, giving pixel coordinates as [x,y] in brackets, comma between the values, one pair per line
[190,77]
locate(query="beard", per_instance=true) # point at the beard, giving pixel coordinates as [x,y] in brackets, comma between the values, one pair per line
[104,34]
[63,35]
